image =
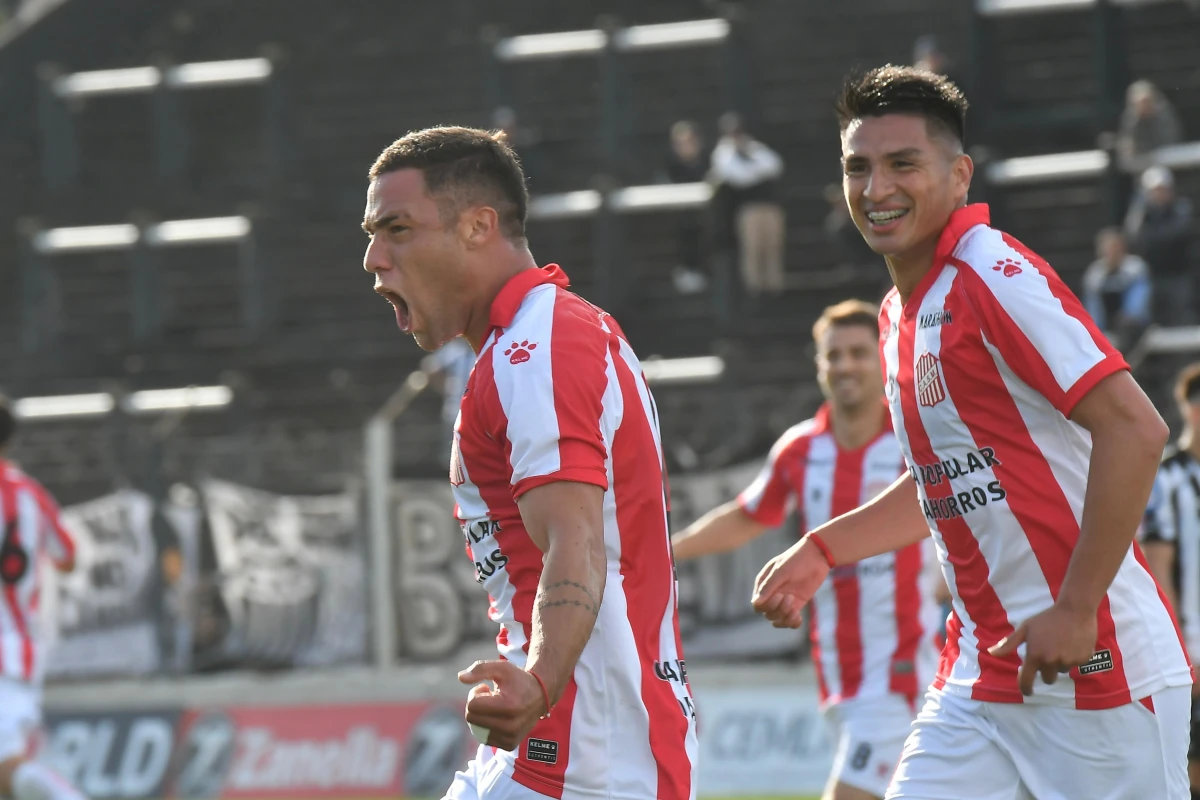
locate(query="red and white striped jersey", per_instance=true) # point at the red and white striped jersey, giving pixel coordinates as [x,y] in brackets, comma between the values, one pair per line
[31,529]
[983,366]
[873,624]
[557,394]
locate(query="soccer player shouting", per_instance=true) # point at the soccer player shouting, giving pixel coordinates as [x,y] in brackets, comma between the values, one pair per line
[556,466]
[1031,453]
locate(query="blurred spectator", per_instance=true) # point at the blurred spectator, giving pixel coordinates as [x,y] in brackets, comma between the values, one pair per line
[928,56]
[750,170]
[449,368]
[527,143]
[1159,227]
[1147,123]
[686,164]
[1116,289]
[850,248]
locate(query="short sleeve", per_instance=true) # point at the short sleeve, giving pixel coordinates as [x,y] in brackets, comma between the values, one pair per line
[60,545]
[552,376]
[770,498]
[1039,327]
[1158,523]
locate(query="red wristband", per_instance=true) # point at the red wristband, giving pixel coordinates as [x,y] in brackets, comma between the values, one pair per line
[545,694]
[824,548]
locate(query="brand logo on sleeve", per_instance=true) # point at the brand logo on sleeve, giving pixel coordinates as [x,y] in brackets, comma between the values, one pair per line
[519,353]
[1008,267]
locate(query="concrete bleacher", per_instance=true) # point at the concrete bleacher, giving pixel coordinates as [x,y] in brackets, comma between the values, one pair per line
[349,86]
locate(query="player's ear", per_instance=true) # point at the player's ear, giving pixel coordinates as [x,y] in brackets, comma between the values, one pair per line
[962,171]
[477,224]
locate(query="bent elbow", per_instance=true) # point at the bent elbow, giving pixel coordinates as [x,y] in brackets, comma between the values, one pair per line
[1157,433]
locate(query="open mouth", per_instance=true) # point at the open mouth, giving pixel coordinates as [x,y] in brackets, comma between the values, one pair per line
[403,314]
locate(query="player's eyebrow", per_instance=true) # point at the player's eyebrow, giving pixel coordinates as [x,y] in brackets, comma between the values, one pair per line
[370,225]
[908,152]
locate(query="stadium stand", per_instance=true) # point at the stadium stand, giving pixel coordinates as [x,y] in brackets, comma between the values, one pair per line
[318,356]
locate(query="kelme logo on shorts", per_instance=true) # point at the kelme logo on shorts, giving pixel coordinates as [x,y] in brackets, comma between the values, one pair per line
[1100,662]
[542,750]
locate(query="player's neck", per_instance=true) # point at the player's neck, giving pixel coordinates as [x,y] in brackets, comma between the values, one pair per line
[499,271]
[908,268]
[856,427]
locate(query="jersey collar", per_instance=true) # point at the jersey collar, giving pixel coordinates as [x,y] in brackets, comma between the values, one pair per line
[509,298]
[961,221]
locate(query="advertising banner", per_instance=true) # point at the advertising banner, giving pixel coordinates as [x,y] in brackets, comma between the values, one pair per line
[292,574]
[762,741]
[102,616]
[112,754]
[441,610]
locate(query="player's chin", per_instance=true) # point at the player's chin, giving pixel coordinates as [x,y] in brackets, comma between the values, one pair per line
[426,342]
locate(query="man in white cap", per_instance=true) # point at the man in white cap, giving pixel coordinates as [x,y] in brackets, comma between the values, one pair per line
[1159,226]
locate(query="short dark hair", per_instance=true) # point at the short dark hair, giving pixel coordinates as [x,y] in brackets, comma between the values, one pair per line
[1187,385]
[904,90]
[846,314]
[463,166]
[8,421]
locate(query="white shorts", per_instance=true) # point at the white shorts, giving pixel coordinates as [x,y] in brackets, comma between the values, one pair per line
[869,735]
[963,748]
[20,715]
[485,776]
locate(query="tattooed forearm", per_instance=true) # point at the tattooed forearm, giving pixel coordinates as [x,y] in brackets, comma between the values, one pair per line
[591,608]
[588,602]
[578,586]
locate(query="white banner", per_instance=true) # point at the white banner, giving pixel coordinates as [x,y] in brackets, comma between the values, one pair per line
[100,617]
[442,612]
[762,741]
[292,573]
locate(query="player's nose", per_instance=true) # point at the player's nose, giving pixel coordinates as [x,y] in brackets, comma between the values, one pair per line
[375,258]
[878,187]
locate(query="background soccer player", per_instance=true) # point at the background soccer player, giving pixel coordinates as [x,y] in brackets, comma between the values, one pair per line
[872,624]
[1171,536]
[31,531]
[1032,452]
[557,472]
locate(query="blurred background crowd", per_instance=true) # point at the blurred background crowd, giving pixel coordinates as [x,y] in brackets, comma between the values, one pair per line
[184,183]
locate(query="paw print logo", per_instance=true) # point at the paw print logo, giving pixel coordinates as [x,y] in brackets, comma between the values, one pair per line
[519,353]
[1008,267]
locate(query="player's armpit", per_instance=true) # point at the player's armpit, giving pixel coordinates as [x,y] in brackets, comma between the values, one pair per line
[565,520]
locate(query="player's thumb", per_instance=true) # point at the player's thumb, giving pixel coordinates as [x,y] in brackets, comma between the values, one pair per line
[481,671]
[1009,644]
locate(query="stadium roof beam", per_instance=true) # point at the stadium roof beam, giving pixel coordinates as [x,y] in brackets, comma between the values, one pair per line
[1081,164]
[210,230]
[593,41]
[189,398]
[60,406]
[1001,8]
[86,238]
[132,80]
[1055,166]
[630,199]
[148,401]
[692,369]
